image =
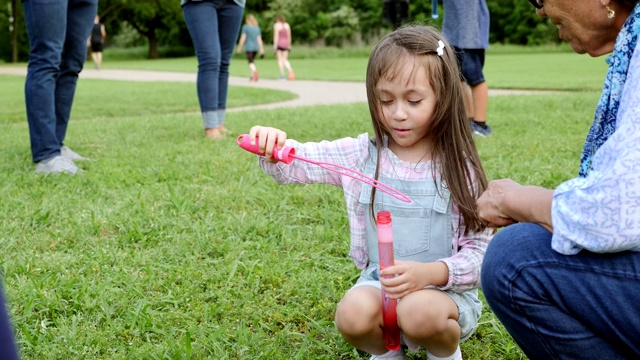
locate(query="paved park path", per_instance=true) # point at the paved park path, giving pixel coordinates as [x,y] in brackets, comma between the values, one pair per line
[308,92]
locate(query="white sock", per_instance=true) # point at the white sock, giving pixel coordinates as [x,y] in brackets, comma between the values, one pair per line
[455,356]
[389,354]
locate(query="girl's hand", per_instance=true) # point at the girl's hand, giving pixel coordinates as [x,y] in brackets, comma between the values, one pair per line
[269,139]
[412,276]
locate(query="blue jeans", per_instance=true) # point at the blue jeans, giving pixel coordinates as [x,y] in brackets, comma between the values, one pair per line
[8,350]
[58,31]
[214,27]
[584,306]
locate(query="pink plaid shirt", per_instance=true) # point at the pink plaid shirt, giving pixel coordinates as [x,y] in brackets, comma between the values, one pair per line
[468,251]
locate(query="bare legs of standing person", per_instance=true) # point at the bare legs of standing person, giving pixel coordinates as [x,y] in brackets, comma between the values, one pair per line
[97,59]
[254,71]
[283,63]
[475,101]
[476,89]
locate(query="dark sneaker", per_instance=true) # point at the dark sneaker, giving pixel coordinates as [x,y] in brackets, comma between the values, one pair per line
[480,130]
[56,165]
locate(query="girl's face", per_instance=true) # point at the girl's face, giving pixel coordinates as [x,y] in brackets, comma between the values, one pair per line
[407,104]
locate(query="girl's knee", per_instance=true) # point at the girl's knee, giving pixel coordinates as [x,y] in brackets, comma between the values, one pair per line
[426,313]
[357,314]
[421,323]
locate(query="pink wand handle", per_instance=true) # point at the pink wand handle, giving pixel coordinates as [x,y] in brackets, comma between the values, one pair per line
[390,329]
[285,154]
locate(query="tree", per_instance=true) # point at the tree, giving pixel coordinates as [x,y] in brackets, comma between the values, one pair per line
[12,28]
[515,22]
[333,22]
[159,21]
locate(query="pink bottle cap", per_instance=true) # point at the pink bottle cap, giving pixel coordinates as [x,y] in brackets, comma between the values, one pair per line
[384,217]
[286,154]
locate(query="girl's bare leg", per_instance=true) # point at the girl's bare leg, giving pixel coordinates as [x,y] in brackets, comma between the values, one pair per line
[359,319]
[429,318]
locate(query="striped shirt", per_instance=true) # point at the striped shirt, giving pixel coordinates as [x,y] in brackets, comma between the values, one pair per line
[468,251]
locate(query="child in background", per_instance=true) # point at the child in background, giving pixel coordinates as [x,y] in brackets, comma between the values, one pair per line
[424,148]
[251,39]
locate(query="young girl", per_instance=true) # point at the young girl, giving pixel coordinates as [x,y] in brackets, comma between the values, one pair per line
[251,40]
[424,148]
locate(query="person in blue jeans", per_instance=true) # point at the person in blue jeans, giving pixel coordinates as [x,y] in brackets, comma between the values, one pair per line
[58,32]
[466,26]
[563,276]
[214,26]
[8,350]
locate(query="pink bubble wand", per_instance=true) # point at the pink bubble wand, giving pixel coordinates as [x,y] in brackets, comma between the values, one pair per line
[287,154]
[390,329]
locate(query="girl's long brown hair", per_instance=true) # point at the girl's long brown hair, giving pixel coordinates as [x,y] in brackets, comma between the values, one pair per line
[453,147]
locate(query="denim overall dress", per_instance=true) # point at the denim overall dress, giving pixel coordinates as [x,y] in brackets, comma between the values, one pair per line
[422,232]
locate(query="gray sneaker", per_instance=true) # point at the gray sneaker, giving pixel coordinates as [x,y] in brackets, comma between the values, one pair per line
[56,165]
[71,155]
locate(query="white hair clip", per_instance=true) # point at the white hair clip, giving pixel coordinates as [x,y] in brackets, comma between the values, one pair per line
[440,49]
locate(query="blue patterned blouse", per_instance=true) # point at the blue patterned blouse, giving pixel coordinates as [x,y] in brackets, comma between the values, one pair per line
[600,210]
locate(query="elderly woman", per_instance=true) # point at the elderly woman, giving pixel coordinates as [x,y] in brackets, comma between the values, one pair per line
[563,276]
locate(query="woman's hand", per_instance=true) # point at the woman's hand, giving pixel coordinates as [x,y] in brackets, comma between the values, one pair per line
[409,276]
[506,202]
[491,204]
[269,139]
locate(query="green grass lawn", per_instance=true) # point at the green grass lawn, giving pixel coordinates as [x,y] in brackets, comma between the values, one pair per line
[170,246]
[505,67]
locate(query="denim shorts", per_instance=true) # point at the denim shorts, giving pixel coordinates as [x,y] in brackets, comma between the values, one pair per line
[471,63]
[469,310]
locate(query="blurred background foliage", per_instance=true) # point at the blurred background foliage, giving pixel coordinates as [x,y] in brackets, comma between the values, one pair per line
[158,25]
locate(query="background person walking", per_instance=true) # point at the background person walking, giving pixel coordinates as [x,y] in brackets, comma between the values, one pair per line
[282,46]
[251,40]
[96,41]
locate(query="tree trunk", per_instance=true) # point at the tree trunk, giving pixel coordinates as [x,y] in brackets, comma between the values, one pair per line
[14,31]
[153,45]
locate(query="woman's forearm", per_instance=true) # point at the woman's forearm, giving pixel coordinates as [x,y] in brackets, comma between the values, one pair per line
[529,204]
[505,202]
